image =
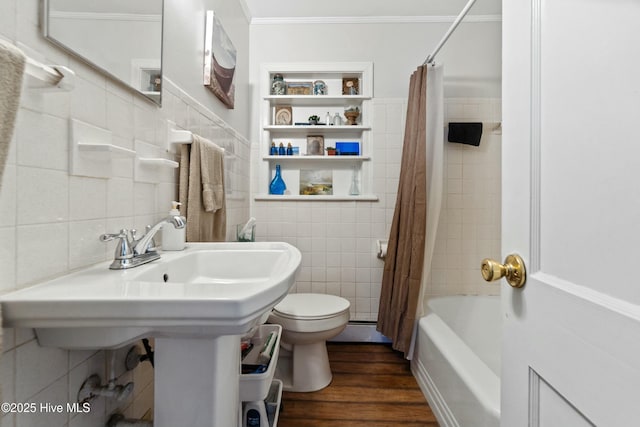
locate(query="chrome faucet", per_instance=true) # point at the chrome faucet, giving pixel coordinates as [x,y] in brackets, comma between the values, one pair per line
[143,245]
[131,252]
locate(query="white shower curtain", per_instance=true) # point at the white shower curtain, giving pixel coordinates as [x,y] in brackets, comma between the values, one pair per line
[435,181]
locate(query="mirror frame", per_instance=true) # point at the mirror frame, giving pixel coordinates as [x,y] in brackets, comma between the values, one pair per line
[44,15]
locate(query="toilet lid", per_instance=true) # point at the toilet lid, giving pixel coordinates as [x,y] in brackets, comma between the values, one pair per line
[311,306]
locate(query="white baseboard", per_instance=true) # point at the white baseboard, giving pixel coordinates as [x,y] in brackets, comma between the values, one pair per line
[360,332]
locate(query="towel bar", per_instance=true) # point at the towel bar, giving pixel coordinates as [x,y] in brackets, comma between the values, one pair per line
[177,136]
[55,77]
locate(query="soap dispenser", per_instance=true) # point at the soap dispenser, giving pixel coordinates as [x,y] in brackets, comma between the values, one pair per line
[173,239]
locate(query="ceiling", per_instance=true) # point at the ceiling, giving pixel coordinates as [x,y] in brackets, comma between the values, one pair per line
[274,9]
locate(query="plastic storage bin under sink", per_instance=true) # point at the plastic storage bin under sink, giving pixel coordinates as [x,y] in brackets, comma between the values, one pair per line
[271,409]
[255,387]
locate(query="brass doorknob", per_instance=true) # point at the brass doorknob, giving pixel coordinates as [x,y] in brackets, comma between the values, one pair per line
[513,269]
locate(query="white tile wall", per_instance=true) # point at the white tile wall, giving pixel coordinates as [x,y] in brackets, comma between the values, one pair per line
[52,217]
[338,239]
[469,228]
[50,221]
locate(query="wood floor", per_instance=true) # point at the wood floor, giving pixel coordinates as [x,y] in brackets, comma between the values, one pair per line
[372,386]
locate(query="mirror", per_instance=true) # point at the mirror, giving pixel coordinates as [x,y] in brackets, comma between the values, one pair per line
[122,38]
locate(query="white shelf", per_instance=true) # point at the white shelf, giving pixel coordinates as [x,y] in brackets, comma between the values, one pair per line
[316,100]
[159,162]
[317,158]
[290,197]
[151,165]
[316,128]
[92,152]
[342,168]
[106,150]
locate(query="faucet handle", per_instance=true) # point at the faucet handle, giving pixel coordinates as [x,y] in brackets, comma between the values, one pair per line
[123,249]
[111,236]
[152,244]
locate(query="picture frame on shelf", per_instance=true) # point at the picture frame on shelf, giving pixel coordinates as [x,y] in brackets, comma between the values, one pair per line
[350,86]
[283,115]
[299,88]
[316,182]
[315,145]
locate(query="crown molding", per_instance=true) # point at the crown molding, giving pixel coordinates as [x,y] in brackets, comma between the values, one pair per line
[372,19]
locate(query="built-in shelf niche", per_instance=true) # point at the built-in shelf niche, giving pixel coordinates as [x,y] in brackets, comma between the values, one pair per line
[342,167]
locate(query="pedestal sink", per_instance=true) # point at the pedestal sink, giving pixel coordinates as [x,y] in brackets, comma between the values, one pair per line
[196,303]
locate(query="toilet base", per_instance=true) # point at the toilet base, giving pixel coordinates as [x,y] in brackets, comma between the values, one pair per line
[304,369]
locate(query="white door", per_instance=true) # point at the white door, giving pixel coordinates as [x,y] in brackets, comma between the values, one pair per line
[571,208]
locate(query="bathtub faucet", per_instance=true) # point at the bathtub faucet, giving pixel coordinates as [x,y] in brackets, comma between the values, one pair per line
[131,252]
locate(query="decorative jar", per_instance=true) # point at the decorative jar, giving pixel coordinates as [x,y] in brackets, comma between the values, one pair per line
[319,88]
[278,86]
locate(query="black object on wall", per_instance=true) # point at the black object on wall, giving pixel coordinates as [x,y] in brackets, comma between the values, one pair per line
[465,133]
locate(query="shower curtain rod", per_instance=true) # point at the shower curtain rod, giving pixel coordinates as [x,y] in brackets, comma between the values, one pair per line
[450,31]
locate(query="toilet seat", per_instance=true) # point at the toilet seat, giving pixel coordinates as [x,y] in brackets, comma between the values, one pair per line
[311,312]
[311,306]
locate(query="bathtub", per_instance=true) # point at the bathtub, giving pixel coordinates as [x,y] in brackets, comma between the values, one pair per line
[457,360]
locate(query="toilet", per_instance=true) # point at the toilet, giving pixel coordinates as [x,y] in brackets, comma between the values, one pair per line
[308,321]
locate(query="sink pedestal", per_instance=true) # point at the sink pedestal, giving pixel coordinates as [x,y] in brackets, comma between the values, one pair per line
[197,382]
[196,303]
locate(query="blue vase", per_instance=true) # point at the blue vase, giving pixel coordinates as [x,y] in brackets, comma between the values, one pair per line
[277,185]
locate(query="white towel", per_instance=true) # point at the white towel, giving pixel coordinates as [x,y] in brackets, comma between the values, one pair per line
[12,63]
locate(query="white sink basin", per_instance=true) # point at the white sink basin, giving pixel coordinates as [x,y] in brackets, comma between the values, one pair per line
[207,290]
